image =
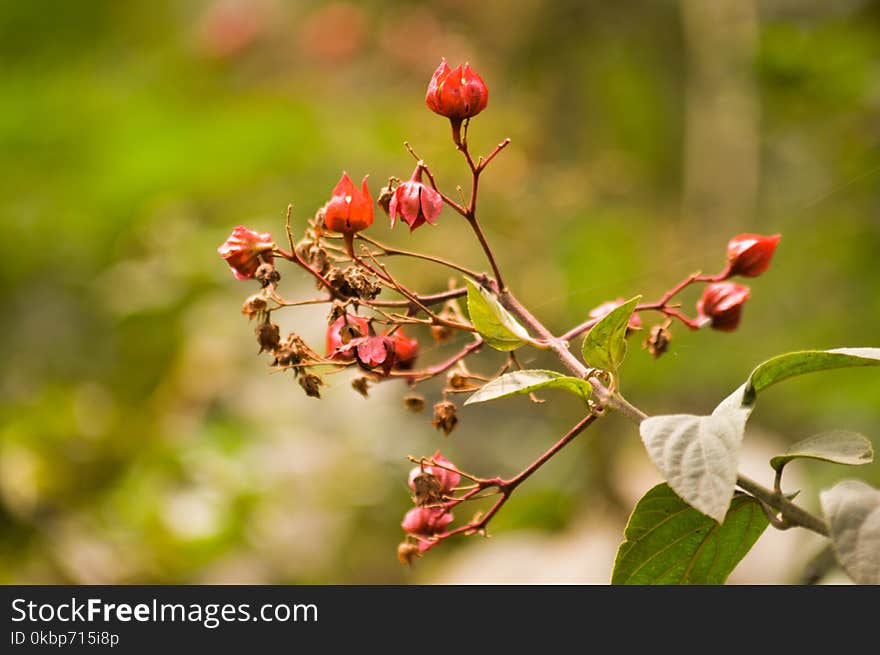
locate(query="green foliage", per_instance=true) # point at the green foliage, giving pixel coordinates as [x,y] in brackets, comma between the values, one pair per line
[669,542]
[522,382]
[852,509]
[605,344]
[838,447]
[790,365]
[494,323]
[128,154]
[699,455]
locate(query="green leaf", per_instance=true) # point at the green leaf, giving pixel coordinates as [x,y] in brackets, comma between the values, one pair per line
[852,509]
[669,542]
[789,365]
[698,456]
[494,323]
[605,343]
[519,382]
[839,447]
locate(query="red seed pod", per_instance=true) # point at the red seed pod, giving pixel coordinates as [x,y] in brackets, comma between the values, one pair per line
[406,350]
[426,521]
[244,250]
[722,305]
[349,210]
[341,332]
[749,255]
[456,94]
[416,203]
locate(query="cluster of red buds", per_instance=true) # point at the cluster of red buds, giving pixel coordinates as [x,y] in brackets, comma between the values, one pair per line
[366,330]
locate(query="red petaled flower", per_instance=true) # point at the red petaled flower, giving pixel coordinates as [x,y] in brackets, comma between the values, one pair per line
[749,255]
[426,521]
[245,250]
[448,479]
[405,350]
[374,351]
[722,304]
[349,209]
[340,334]
[415,202]
[456,94]
[635,323]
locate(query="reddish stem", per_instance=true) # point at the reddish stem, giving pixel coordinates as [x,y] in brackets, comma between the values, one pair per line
[431,371]
[507,487]
[661,305]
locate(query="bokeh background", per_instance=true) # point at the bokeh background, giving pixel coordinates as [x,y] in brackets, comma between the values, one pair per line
[143,441]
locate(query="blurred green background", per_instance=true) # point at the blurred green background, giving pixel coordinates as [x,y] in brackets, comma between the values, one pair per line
[141,438]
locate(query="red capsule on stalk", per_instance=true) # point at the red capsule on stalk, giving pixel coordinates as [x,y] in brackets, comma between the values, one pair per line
[721,304]
[350,209]
[245,250]
[749,255]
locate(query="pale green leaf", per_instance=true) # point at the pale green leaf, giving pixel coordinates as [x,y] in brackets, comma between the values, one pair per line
[494,323]
[698,456]
[852,509]
[790,365]
[839,447]
[520,382]
[605,344]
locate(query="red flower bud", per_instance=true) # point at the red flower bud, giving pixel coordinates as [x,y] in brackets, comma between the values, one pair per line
[749,255]
[342,332]
[349,210]
[722,305]
[448,479]
[635,323]
[244,249]
[456,94]
[414,202]
[405,350]
[426,521]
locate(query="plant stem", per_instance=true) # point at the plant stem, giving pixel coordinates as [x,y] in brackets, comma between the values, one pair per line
[507,487]
[431,371]
[513,483]
[389,250]
[791,513]
[431,299]
[605,396]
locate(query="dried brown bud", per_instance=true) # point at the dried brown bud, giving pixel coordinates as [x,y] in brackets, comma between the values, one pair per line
[267,274]
[349,331]
[414,402]
[362,286]
[361,385]
[268,336]
[318,259]
[445,416]
[254,306]
[386,193]
[292,352]
[407,553]
[658,340]
[336,277]
[441,333]
[303,246]
[457,380]
[337,309]
[311,383]
[427,489]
